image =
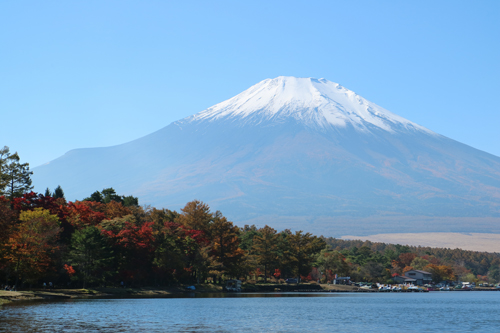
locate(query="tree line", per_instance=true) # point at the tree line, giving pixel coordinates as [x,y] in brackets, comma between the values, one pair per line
[98,243]
[108,239]
[90,243]
[372,261]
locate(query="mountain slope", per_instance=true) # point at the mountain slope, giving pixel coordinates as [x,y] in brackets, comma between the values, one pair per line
[294,151]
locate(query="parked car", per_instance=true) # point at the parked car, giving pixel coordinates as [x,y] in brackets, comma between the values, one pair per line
[291,280]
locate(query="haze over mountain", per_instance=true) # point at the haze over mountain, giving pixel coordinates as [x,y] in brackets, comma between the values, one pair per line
[298,153]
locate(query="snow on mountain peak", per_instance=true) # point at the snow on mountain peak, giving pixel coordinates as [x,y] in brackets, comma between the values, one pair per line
[313,102]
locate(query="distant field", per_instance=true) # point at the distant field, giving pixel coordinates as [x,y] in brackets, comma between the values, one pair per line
[452,240]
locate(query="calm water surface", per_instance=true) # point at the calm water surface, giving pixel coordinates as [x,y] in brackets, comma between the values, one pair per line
[280,312]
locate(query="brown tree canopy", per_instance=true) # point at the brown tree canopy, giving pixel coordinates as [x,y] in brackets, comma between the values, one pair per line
[195,215]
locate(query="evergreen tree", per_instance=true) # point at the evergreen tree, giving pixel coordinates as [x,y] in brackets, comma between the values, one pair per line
[96,197]
[302,251]
[58,192]
[225,244]
[265,248]
[494,274]
[109,194]
[247,235]
[331,263]
[14,176]
[91,255]
[130,201]
[47,192]
[4,159]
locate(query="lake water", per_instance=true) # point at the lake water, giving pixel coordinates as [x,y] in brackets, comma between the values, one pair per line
[280,312]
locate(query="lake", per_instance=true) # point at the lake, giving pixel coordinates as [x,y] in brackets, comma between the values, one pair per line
[471,311]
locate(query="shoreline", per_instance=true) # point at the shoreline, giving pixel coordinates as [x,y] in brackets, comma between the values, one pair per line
[9,297]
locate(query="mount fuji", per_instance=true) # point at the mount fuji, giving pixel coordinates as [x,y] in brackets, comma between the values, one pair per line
[298,153]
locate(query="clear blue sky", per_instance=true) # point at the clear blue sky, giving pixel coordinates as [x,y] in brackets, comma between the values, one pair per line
[77,74]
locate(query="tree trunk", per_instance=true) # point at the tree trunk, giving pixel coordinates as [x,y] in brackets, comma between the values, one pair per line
[17,273]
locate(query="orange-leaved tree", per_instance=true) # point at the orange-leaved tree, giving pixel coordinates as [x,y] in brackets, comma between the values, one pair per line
[195,215]
[31,242]
[440,272]
[225,245]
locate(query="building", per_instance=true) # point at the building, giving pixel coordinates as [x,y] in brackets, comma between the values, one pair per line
[403,279]
[421,277]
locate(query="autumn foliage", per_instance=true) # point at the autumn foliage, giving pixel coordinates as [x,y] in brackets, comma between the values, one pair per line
[103,242]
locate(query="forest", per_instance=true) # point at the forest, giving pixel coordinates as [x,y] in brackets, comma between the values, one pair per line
[108,239]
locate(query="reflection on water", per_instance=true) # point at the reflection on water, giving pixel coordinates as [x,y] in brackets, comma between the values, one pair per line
[276,312]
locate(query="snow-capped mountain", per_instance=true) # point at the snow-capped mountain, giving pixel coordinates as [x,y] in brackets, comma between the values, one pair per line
[298,153]
[313,103]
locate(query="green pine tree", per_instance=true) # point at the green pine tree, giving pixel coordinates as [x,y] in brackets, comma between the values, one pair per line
[58,192]
[91,255]
[96,197]
[109,194]
[4,159]
[14,176]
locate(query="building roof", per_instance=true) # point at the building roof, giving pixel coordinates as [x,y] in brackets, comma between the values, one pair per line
[416,270]
[406,279]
